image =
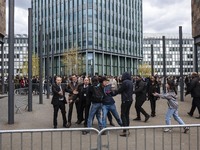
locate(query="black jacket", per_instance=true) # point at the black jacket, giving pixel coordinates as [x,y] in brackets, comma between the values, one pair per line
[126,88]
[83,93]
[194,87]
[140,90]
[55,90]
[152,88]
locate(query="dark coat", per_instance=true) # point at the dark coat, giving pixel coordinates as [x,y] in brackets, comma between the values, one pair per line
[140,90]
[194,87]
[83,93]
[55,90]
[153,87]
[126,88]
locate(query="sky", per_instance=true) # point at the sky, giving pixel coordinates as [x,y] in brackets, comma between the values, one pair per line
[159,16]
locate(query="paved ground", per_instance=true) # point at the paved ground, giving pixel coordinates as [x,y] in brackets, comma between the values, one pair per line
[42,115]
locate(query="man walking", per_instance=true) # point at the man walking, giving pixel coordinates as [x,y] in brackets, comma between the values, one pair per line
[140,92]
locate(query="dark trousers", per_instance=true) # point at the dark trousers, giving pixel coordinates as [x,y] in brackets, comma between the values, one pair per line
[87,110]
[125,111]
[71,105]
[195,104]
[139,109]
[153,105]
[60,106]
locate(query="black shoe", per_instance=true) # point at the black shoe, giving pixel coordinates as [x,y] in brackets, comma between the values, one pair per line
[55,127]
[146,118]
[186,129]
[153,115]
[137,119]
[69,124]
[190,114]
[112,124]
[124,134]
[85,132]
[64,126]
[197,117]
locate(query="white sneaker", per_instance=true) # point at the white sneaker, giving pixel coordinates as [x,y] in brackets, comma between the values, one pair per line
[167,130]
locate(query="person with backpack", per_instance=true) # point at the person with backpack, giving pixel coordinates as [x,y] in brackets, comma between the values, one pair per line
[140,93]
[171,97]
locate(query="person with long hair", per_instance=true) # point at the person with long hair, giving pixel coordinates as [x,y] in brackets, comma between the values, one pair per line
[171,97]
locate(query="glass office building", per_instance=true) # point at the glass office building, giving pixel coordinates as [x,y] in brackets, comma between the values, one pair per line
[108,33]
[172,53]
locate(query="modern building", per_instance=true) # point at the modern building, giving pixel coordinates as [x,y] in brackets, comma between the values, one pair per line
[20,55]
[196,33]
[108,33]
[172,53]
[3,20]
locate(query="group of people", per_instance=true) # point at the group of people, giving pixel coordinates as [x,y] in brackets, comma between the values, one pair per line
[94,97]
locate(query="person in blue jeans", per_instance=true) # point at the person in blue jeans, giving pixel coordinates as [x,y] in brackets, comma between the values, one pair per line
[96,106]
[108,102]
[171,97]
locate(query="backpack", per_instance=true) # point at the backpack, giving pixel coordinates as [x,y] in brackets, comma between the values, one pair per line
[97,93]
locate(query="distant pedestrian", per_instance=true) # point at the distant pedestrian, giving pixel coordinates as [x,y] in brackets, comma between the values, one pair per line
[59,101]
[171,97]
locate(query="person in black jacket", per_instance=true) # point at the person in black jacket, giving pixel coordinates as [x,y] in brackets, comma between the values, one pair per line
[84,101]
[126,90]
[153,88]
[140,92]
[59,101]
[194,90]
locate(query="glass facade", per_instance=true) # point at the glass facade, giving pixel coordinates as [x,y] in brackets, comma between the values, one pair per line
[107,33]
[172,53]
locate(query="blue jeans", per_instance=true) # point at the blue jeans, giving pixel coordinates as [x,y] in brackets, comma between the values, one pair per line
[95,108]
[112,108]
[169,114]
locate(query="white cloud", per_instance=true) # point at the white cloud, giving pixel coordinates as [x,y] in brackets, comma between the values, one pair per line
[21,20]
[160,18]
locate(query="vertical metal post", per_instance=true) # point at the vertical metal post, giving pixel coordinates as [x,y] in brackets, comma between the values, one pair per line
[30,59]
[195,58]
[40,64]
[164,63]
[152,61]
[11,63]
[2,69]
[181,64]
[52,64]
[47,68]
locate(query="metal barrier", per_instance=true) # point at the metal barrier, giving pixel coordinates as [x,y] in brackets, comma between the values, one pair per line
[21,99]
[49,139]
[140,138]
[150,138]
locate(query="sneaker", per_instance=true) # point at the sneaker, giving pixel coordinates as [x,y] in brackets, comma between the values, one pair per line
[167,130]
[125,134]
[137,119]
[186,129]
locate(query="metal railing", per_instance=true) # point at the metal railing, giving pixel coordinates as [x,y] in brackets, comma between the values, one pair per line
[140,138]
[48,139]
